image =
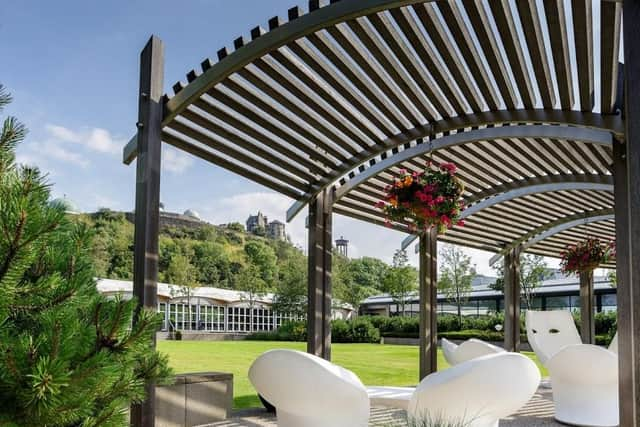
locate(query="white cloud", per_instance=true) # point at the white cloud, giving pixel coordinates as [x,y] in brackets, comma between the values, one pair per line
[63,134]
[175,161]
[94,139]
[40,152]
[101,140]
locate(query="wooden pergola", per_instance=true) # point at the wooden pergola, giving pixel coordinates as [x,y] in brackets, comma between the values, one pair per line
[327,107]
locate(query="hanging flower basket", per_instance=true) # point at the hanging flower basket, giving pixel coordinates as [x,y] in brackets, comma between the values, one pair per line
[428,199]
[586,256]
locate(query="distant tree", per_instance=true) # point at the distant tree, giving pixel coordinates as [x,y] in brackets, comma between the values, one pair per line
[345,286]
[400,281]
[368,272]
[212,264]
[291,287]
[533,271]
[112,249]
[264,258]
[612,278]
[456,275]
[236,226]
[250,282]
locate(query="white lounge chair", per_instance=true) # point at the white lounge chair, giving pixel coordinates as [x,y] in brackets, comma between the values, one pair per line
[476,393]
[308,391]
[470,349]
[584,377]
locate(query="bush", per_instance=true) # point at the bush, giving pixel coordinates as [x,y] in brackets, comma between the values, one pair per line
[472,333]
[288,331]
[359,330]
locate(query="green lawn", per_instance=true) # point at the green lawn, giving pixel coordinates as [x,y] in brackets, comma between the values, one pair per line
[375,364]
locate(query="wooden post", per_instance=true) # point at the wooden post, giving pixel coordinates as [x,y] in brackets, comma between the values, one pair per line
[627,205]
[512,300]
[145,258]
[428,303]
[587,322]
[319,280]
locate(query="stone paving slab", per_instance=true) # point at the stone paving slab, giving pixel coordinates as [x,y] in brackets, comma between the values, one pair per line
[537,413]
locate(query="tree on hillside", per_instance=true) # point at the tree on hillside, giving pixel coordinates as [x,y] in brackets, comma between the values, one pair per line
[68,356]
[212,264]
[112,247]
[400,281]
[250,282]
[291,287]
[533,271]
[264,258]
[456,275]
[236,226]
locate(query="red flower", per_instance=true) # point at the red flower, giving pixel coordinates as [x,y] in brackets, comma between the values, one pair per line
[460,223]
[381,204]
[449,167]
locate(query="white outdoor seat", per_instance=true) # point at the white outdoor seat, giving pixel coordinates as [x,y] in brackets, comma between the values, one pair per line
[476,393]
[470,349]
[308,391]
[584,377]
[392,397]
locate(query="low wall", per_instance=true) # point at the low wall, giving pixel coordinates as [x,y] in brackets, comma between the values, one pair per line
[194,399]
[204,336]
[415,341]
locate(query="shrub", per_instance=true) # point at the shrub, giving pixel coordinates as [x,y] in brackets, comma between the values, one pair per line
[288,331]
[359,330]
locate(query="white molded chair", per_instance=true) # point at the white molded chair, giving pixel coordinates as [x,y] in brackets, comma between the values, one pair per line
[470,349]
[584,377]
[476,393]
[308,391]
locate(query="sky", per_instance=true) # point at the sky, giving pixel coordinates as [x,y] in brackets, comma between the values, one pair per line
[72,67]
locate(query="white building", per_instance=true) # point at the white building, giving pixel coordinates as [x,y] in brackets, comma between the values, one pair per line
[212,309]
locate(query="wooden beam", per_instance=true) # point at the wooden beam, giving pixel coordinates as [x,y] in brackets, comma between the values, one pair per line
[428,303]
[623,289]
[512,300]
[587,300]
[147,213]
[627,171]
[319,277]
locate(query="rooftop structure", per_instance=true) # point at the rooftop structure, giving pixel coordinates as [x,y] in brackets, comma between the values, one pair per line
[342,246]
[328,107]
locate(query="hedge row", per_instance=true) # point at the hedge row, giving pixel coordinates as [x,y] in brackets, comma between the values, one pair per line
[369,329]
[360,330]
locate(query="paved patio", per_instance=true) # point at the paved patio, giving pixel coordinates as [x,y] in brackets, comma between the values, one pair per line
[537,413]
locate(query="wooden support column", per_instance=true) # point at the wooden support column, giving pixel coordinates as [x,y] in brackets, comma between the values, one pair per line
[627,206]
[512,300]
[587,300]
[319,281]
[428,303]
[147,213]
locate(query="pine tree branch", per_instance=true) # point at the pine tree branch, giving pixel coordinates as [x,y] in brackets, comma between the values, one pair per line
[14,245]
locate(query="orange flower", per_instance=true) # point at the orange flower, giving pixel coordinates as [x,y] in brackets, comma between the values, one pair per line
[394,202]
[408,181]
